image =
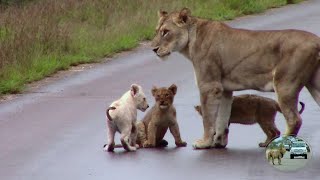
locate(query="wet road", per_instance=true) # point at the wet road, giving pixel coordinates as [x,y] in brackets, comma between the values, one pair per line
[57,131]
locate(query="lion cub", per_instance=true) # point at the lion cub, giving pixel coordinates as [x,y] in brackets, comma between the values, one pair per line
[122,117]
[250,109]
[153,127]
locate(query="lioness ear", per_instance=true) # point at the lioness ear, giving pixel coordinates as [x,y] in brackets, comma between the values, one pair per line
[154,90]
[134,89]
[183,18]
[184,14]
[173,88]
[162,13]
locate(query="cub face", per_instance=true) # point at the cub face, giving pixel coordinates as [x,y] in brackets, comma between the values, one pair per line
[139,97]
[164,96]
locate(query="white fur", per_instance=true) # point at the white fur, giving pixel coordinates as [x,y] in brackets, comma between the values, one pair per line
[125,115]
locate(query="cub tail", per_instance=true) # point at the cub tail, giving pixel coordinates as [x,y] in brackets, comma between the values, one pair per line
[107,112]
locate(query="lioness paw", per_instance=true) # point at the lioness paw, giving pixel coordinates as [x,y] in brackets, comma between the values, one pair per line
[202,144]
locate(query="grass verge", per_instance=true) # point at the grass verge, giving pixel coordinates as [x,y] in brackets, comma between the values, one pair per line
[44,36]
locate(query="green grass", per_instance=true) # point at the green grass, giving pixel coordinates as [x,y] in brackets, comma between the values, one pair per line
[42,37]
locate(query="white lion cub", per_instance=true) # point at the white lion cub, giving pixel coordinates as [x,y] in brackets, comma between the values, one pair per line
[122,117]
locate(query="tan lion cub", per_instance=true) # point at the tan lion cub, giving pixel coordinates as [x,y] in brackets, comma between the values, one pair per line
[250,109]
[160,118]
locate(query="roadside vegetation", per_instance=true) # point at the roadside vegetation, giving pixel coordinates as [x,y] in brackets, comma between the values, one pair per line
[40,37]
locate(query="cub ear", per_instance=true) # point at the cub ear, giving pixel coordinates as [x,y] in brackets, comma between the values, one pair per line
[154,90]
[162,13]
[173,88]
[134,89]
[183,17]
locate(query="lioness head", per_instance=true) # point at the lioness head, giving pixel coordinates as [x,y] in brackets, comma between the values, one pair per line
[164,96]
[171,32]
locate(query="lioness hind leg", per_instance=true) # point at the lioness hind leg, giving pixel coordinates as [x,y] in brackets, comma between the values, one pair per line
[291,74]
[288,104]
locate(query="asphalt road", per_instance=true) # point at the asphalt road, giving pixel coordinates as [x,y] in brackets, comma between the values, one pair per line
[57,131]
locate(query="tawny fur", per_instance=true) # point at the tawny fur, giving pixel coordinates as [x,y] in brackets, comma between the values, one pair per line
[122,116]
[273,154]
[250,109]
[227,59]
[160,118]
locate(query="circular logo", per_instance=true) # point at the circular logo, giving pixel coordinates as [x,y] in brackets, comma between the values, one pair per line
[288,153]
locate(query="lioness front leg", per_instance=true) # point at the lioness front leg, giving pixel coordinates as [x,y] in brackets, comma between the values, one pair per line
[174,129]
[210,96]
[222,123]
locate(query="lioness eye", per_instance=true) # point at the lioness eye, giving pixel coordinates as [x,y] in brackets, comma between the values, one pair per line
[165,32]
[144,99]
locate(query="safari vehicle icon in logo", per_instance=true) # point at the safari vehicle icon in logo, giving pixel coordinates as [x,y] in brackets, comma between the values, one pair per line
[288,153]
[299,148]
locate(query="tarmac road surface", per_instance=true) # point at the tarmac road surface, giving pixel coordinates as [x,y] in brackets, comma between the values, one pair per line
[57,131]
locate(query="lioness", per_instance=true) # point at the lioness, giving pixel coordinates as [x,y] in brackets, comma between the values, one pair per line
[275,154]
[227,59]
[158,119]
[250,109]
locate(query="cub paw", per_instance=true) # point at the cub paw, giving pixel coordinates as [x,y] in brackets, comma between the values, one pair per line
[147,145]
[132,148]
[181,144]
[108,148]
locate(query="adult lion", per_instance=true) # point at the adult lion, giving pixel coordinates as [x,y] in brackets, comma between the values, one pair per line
[227,59]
